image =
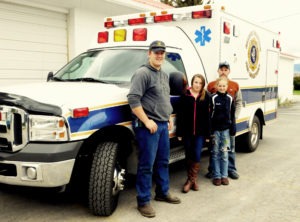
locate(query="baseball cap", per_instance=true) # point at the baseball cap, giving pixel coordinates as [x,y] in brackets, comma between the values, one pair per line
[224,64]
[157,46]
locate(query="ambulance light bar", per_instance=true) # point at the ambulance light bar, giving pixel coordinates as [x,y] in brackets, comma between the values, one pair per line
[140,34]
[164,16]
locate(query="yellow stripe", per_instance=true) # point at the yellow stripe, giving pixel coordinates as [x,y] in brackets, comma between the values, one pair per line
[83,133]
[258,103]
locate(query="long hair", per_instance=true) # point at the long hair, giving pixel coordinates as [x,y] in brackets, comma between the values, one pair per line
[202,91]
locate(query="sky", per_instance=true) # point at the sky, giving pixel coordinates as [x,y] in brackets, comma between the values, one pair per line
[278,15]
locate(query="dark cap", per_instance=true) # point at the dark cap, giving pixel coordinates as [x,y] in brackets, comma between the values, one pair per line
[157,46]
[224,64]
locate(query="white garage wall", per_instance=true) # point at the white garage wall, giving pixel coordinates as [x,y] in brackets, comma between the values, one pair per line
[33,41]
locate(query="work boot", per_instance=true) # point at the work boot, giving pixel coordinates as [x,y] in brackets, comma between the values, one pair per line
[209,175]
[217,181]
[233,175]
[168,198]
[224,181]
[146,210]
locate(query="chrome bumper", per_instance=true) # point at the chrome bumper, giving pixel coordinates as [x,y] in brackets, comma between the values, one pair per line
[53,174]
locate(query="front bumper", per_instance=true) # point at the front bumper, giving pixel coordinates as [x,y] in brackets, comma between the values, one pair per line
[39,165]
[37,174]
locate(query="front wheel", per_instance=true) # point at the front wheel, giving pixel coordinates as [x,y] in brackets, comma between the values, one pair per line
[252,137]
[106,180]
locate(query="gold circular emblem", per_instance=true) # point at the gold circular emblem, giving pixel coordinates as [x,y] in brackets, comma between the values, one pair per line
[253,53]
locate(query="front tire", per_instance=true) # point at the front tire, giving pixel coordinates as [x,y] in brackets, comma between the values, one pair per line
[106,180]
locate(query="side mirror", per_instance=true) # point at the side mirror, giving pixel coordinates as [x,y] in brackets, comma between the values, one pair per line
[50,76]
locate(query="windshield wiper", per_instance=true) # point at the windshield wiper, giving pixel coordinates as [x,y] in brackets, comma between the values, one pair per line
[88,79]
[57,79]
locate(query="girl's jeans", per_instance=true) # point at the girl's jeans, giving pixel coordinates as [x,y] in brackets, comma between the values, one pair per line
[193,147]
[220,153]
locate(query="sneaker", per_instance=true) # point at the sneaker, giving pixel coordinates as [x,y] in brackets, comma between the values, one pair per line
[225,181]
[169,199]
[209,175]
[146,210]
[217,181]
[233,175]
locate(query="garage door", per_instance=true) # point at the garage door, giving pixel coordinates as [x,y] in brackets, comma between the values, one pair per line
[33,41]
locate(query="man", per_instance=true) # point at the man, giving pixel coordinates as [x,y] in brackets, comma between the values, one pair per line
[235,92]
[149,100]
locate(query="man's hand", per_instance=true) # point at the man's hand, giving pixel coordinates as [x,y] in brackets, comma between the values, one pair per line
[151,126]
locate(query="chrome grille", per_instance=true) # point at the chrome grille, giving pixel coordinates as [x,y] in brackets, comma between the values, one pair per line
[13,128]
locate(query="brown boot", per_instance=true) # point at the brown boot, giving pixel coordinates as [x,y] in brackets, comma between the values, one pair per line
[195,169]
[187,186]
[189,181]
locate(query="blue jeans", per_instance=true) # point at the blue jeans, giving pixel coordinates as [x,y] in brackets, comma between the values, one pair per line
[193,147]
[231,155]
[220,153]
[153,160]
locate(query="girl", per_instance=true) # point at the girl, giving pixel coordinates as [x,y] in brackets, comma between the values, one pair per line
[223,126]
[193,125]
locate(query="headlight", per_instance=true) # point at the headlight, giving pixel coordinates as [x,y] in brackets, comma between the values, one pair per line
[47,128]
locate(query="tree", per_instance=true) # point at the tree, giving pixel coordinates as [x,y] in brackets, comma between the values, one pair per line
[182,3]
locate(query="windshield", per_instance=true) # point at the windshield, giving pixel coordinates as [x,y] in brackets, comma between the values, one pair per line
[111,66]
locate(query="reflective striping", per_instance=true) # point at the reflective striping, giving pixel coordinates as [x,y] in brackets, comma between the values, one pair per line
[256,95]
[100,118]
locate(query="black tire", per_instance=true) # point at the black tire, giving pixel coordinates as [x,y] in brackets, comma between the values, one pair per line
[104,186]
[253,136]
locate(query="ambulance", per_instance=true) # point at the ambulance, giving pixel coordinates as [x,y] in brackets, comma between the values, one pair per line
[74,130]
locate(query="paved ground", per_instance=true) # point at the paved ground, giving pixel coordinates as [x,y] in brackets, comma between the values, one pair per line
[267,191]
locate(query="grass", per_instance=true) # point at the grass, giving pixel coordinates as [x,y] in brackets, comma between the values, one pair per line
[296,92]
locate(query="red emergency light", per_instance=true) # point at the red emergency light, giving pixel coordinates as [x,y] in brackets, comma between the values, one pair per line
[80,112]
[139,34]
[163,18]
[136,21]
[102,37]
[201,14]
[109,24]
[226,28]
[278,44]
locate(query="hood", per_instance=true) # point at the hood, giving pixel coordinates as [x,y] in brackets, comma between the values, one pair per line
[68,95]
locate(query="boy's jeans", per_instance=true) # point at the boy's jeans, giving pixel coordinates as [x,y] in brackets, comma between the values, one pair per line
[153,158]
[231,155]
[220,153]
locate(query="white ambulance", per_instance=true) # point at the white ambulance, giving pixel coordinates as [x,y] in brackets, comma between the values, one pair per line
[76,127]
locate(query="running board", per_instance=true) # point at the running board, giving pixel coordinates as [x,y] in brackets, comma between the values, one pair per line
[176,154]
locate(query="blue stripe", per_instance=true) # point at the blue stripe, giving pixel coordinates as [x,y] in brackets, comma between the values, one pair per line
[98,119]
[242,126]
[270,116]
[256,95]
